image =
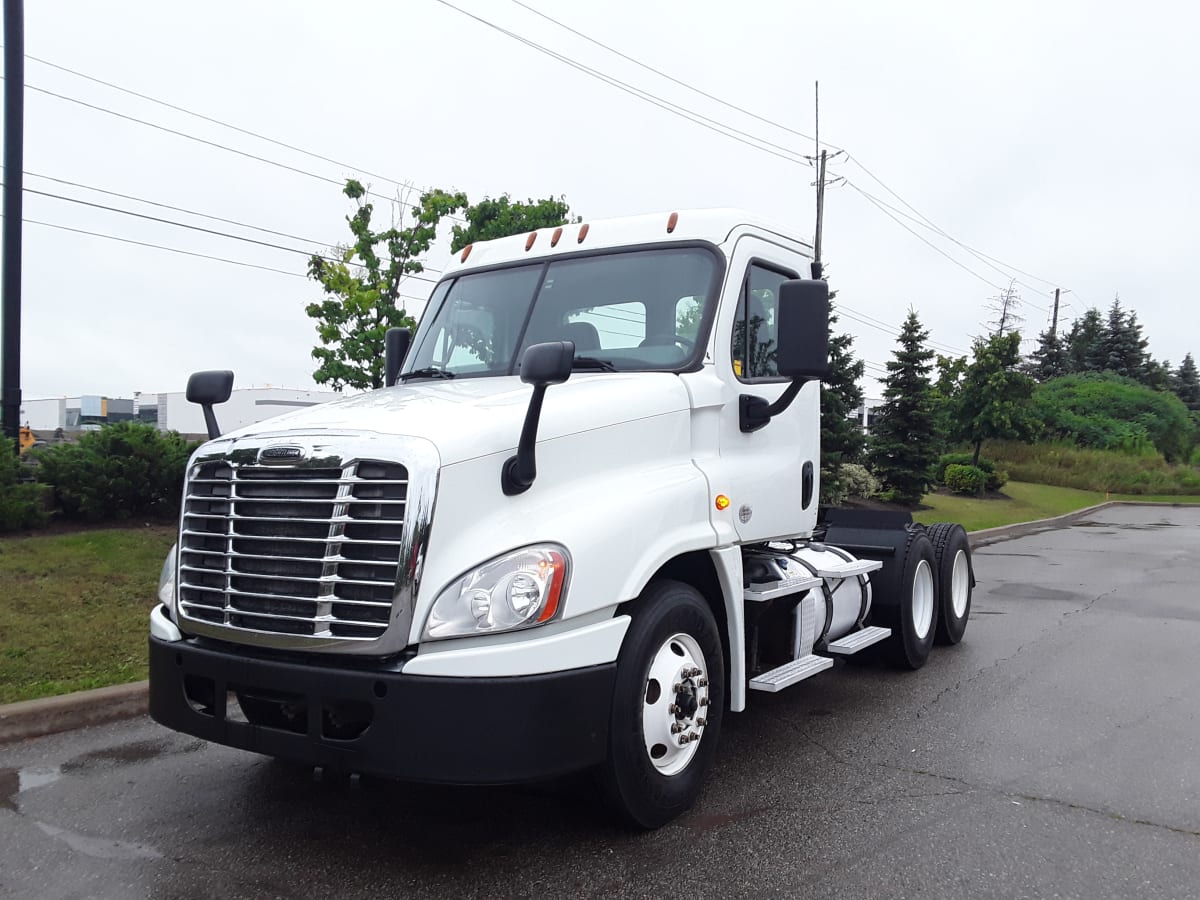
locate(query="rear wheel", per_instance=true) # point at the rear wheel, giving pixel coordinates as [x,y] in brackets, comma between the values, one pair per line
[914,615]
[667,706]
[955,580]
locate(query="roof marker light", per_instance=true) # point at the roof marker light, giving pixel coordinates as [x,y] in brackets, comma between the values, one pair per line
[554,237]
[583,230]
[466,252]
[672,221]
[529,240]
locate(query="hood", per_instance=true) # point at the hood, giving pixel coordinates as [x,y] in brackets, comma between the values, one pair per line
[475,417]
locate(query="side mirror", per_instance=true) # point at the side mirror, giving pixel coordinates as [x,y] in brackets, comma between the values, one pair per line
[542,365]
[395,348]
[803,329]
[803,353]
[209,389]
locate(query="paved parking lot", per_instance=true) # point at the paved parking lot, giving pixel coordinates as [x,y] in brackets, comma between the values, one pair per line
[1056,752]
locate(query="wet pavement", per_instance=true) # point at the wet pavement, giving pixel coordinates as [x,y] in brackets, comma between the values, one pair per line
[1055,752]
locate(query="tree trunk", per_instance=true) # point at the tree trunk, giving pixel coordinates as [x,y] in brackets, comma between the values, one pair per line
[978,447]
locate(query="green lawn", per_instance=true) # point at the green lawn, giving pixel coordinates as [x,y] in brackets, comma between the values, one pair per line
[1024,503]
[74,607]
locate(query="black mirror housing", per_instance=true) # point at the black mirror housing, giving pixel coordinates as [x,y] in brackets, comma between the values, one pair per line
[803,329]
[548,363]
[395,348]
[542,365]
[210,387]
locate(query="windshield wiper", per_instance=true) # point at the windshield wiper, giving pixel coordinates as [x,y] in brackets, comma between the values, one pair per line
[431,372]
[591,362]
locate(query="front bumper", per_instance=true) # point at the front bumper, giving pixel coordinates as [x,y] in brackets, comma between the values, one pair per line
[482,730]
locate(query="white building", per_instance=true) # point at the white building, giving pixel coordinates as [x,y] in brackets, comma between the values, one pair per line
[169,411]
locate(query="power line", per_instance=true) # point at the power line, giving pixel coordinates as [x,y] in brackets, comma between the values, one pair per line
[637,62]
[674,108]
[214,121]
[217,145]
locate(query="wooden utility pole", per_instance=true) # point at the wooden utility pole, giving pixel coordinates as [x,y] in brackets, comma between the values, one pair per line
[1054,318]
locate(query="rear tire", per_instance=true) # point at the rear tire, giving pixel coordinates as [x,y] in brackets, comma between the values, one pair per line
[667,706]
[913,617]
[955,580]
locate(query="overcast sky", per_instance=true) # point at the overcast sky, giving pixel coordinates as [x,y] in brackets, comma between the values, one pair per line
[1060,138]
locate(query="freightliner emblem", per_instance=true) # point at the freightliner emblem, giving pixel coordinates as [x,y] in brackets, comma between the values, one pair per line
[280,454]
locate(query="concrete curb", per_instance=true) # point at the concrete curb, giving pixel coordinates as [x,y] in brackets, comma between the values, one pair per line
[67,712]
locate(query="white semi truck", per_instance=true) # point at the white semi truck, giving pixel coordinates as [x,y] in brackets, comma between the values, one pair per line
[577,528]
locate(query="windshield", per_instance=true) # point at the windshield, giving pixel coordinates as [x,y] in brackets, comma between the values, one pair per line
[625,311]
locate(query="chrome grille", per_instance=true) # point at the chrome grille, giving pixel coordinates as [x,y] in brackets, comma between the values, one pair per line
[293,551]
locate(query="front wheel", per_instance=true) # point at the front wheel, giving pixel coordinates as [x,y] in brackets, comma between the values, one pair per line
[667,706]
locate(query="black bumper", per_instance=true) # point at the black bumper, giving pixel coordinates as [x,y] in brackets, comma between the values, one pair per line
[416,727]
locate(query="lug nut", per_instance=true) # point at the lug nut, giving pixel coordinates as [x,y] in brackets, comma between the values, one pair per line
[676,688]
[703,682]
[702,721]
[683,739]
[693,736]
[676,727]
[704,701]
[672,708]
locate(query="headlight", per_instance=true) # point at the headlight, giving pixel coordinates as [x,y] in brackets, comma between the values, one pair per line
[518,590]
[166,582]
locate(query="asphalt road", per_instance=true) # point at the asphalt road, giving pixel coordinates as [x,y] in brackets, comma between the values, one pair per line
[1055,752]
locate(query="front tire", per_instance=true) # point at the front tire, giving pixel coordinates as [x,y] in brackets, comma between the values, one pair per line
[667,707]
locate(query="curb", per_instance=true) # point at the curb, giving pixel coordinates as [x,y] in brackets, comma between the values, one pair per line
[67,712]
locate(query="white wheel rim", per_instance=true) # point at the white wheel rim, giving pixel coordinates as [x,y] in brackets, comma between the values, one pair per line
[922,600]
[960,584]
[675,704]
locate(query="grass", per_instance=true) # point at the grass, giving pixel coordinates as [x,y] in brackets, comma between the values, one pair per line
[74,609]
[1092,470]
[1023,502]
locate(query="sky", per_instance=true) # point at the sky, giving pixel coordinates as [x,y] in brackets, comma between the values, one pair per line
[1053,137]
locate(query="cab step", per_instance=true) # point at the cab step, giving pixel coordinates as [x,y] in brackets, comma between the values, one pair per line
[848,568]
[858,640]
[789,673]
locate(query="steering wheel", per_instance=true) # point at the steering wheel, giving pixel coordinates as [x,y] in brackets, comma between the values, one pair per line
[687,344]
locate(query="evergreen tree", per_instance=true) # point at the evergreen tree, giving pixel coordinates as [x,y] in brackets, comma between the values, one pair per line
[1085,344]
[1158,375]
[994,403]
[1187,384]
[1124,348]
[1050,358]
[903,442]
[841,396]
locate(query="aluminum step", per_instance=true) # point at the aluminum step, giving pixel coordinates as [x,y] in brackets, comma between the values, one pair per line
[798,584]
[849,568]
[858,640]
[789,673]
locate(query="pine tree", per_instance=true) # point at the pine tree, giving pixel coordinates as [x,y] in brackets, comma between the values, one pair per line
[1049,360]
[903,442]
[1085,344]
[1187,384]
[1124,348]
[841,396]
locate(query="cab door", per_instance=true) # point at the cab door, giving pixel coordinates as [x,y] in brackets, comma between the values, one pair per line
[770,474]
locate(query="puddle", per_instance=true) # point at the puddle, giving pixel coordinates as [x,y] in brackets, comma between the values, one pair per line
[17,781]
[1032,592]
[127,754]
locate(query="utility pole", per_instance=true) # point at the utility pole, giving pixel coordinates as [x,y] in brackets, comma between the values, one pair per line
[10,251]
[818,269]
[1054,318]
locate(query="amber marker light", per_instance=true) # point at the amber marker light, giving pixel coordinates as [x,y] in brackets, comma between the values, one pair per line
[557,577]
[583,230]
[466,252]
[529,240]
[554,237]
[672,221]
[722,501]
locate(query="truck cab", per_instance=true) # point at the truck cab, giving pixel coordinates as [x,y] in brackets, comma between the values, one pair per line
[578,526]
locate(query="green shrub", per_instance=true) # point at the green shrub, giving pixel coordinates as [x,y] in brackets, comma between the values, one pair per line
[122,470]
[858,481]
[961,459]
[22,504]
[965,479]
[1107,412]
